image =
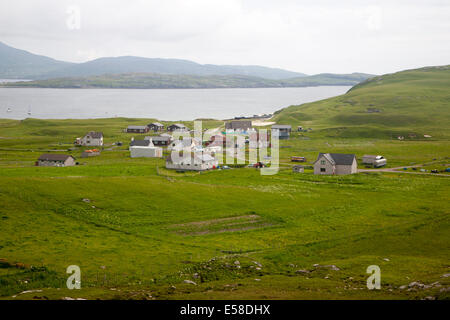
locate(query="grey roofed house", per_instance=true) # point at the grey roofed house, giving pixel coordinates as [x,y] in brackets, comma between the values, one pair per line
[159,140]
[238,125]
[177,126]
[140,143]
[339,158]
[156,124]
[335,163]
[54,157]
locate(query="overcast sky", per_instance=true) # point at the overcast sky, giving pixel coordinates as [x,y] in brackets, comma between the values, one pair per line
[305,36]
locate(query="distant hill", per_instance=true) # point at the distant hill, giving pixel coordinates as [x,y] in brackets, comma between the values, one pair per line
[411,102]
[19,64]
[130,64]
[162,81]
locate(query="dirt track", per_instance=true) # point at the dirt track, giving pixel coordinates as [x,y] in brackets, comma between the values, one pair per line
[400,170]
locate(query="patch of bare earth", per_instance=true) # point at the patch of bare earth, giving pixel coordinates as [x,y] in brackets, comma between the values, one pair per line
[213,221]
[221,225]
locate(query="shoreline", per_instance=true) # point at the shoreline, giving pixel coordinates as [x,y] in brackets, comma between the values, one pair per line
[175,88]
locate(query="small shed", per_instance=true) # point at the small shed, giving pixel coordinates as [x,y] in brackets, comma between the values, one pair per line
[298,168]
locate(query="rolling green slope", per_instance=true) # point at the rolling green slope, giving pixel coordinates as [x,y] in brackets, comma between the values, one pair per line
[184,81]
[413,102]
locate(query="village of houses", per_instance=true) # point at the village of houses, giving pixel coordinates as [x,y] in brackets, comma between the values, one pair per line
[203,154]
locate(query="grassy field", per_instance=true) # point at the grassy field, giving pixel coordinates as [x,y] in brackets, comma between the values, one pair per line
[144,230]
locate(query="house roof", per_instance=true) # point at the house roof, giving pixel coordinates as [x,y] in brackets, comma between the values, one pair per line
[206,158]
[338,158]
[179,125]
[281,126]
[157,124]
[158,138]
[54,157]
[95,134]
[137,127]
[140,143]
[238,125]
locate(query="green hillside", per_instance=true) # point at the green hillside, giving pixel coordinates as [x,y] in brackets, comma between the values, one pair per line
[409,102]
[184,81]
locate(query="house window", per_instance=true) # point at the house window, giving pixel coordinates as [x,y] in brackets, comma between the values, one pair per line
[322,162]
[322,169]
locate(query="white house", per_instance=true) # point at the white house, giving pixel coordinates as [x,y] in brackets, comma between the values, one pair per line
[144,149]
[335,163]
[92,139]
[185,144]
[194,162]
